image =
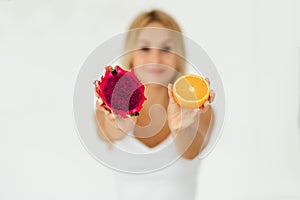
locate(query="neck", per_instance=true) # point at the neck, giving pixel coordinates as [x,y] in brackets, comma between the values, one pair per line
[156,94]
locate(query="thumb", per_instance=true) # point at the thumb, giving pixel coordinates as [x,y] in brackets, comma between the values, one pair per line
[170,92]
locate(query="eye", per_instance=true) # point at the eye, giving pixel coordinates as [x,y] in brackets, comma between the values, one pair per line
[145,48]
[166,48]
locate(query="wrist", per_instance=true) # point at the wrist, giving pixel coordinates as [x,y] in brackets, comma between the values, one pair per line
[190,130]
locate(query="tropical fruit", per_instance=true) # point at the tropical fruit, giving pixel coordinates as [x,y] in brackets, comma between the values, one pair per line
[191,91]
[120,91]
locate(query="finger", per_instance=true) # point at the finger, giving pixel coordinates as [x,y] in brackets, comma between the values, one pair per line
[170,92]
[96,84]
[211,96]
[208,81]
[205,107]
[96,94]
[196,111]
[203,110]
[100,107]
[99,101]
[108,115]
[112,116]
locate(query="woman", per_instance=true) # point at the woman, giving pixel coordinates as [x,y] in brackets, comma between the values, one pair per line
[157,66]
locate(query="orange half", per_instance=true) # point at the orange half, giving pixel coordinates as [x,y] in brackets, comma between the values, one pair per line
[191,91]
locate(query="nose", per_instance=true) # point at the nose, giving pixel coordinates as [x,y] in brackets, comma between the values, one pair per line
[154,56]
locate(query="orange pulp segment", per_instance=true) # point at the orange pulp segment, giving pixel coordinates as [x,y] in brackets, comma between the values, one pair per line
[191,91]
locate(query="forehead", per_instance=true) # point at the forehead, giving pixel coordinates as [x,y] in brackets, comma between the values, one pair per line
[154,36]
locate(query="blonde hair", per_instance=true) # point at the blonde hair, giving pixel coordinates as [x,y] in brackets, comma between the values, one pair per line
[141,21]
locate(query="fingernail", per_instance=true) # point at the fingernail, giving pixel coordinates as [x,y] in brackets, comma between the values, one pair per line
[99,100]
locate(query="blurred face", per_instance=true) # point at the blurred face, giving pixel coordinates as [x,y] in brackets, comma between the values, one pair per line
[153,62]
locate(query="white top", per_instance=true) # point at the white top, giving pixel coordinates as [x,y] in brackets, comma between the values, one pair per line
[176,181]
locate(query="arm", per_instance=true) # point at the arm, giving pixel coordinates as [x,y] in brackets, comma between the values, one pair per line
[111,127]
[189,127]
[193,139]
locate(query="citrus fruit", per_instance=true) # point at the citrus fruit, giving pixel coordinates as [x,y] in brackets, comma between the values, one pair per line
[191,91]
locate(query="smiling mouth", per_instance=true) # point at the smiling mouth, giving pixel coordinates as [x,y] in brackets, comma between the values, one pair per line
[156,71]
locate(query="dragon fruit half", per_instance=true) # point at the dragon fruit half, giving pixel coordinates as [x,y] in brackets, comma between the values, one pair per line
[121,91]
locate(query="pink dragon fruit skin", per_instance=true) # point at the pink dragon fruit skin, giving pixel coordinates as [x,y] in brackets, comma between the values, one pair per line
[121,91]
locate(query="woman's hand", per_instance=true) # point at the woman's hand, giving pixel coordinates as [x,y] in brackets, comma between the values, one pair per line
[112,126]
[180,118]
[186,126]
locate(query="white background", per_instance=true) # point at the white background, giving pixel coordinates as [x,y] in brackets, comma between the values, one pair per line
[254,44]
